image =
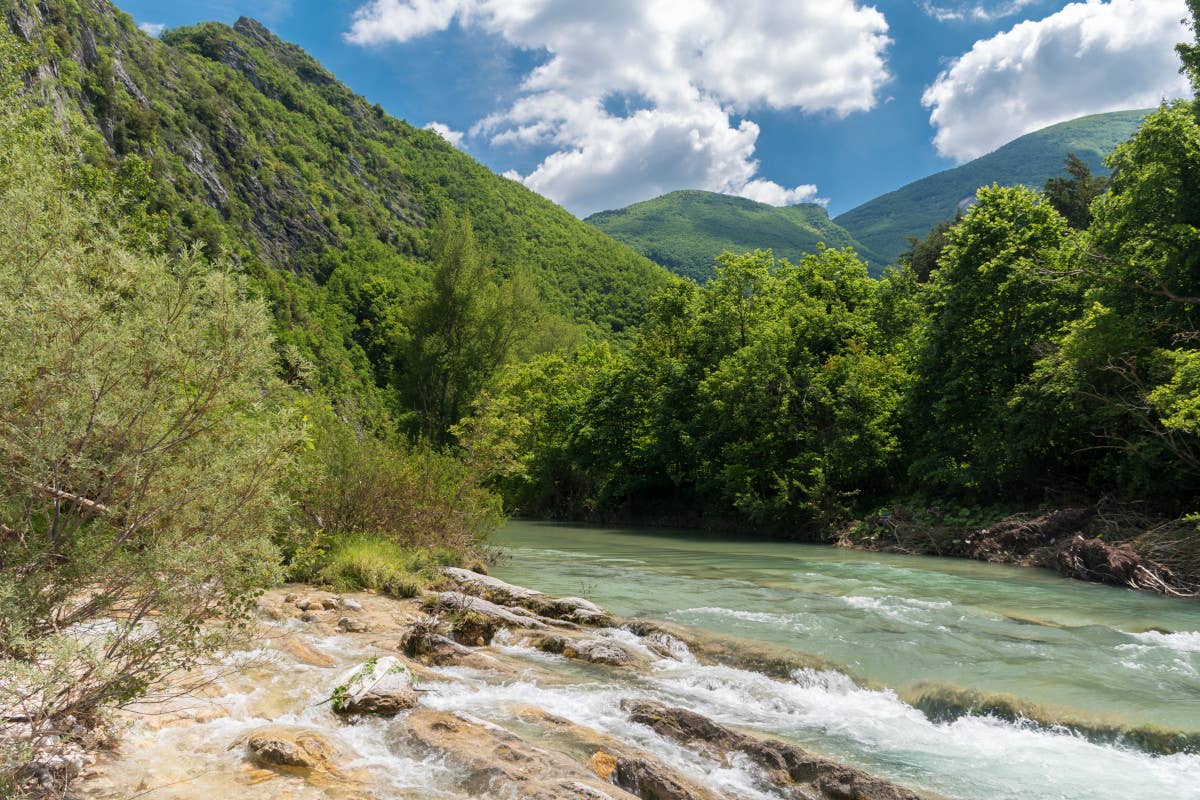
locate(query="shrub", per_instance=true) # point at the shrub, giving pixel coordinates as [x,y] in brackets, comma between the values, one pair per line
[382,565]
[141,450]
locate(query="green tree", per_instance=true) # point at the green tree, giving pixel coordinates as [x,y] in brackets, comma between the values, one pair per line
[467,326]
[1072,196]
[992,309]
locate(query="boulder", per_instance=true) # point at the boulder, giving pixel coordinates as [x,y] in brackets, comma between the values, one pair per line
[573,609]
[292,747]
[351,604]
[459,602]
[499,763]
[595,651]
[649,781]
[351,625]
[813,776]
[381,686]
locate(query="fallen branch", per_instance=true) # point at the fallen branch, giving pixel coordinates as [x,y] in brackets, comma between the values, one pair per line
[83,502]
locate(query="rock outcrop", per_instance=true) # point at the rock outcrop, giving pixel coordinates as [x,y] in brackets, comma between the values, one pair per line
[786,764]
[382,687]
[502,763]
[292,747]
[571,609]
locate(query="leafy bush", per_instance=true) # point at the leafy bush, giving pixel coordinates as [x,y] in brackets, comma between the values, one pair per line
[374,563]
[353,483]
[142,447]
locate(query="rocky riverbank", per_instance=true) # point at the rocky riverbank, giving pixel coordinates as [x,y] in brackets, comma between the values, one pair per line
[361,696]
[1086,543]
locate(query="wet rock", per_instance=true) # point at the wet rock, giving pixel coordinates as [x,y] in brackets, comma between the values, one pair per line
[603,764]
[594,651]
[306,603]
[292,747]
[290,597]
[649,781]
[300,650]
[430,647]
[499,762]
[786,764]
[351,604]
[308,616]
[382,687]
[573,609]
[329,603]
[351,625]
[458,602]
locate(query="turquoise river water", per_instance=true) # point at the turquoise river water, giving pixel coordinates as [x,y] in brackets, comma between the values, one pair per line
[901,627]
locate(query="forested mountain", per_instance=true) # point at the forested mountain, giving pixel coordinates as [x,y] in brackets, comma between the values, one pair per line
[230,137]
[686,230]
[884,224]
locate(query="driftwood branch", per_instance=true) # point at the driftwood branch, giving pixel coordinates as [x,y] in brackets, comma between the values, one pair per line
[82,502]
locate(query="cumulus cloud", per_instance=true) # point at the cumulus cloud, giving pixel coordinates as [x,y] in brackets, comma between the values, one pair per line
[446,132]
[974,11]
[1088,58]
[692,66]
[154,29]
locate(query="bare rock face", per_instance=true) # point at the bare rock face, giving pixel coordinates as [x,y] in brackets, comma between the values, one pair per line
[459,602]
[787,764]
[292,747]
[501,763]
[382,687]
[595,651]
[571,609]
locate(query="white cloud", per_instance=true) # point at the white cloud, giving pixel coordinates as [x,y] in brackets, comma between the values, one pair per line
[976,11]
[154,29]
[692,65]
[446,132]
[771,193]
[1088,58]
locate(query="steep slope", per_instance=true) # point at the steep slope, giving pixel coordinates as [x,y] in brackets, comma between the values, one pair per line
[686,230]
[884,224]
[252,146]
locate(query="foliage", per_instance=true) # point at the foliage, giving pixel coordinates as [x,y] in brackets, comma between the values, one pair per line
[990,312]
[767,392]
[251,148]
[1072,196]
[923,255]
[464,329]
[371,562]
[143,444]
[685,231]
[355,483]
[886,223]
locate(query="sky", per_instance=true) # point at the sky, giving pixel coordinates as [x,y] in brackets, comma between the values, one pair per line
[597,104]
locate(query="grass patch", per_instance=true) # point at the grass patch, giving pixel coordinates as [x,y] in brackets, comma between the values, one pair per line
[384,566]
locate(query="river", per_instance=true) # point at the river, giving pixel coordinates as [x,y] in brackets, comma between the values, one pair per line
[883,632]
[903,626]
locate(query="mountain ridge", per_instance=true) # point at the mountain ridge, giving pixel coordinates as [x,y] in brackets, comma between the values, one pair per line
[261,152]
[885,223]
[687,229]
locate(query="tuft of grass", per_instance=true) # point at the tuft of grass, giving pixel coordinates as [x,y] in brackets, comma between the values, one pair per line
[366,562]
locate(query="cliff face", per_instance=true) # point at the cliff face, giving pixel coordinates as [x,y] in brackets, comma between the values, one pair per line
[255,148]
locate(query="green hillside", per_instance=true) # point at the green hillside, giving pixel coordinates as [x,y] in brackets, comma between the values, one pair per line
[884,224]
[254,148]
[685,231]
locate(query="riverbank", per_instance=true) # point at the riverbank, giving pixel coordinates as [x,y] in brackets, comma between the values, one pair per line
[1100,544]
[367,696]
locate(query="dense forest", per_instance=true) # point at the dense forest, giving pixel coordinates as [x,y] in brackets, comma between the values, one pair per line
[1040,351]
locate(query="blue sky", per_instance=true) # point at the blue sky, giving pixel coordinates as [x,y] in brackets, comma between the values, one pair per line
[601,103]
